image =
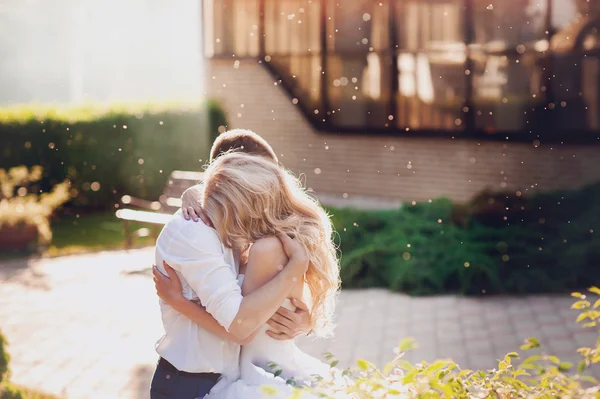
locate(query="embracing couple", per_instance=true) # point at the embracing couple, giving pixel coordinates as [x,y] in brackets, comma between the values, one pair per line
[258,269]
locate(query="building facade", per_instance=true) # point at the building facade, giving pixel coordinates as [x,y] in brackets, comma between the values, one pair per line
[402,100]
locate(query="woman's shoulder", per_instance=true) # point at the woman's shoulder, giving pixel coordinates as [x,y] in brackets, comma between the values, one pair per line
[267,246]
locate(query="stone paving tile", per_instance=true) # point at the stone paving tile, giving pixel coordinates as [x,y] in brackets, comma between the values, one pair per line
[85,326]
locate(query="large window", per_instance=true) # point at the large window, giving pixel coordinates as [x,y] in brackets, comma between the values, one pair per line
[456,66]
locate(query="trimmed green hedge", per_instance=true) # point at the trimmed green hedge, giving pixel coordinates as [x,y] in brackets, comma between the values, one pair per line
[547,243]
[122,149]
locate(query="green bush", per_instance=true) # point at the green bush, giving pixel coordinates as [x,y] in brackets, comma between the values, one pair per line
[7,391]
[499,243]
[4,359]
[537,376]
[107,152]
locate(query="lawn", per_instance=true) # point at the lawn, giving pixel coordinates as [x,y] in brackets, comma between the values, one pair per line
[90,232]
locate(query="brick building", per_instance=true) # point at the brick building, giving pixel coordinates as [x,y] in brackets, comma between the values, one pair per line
[379,102]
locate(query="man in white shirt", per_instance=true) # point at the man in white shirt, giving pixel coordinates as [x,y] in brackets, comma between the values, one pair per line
[192,358]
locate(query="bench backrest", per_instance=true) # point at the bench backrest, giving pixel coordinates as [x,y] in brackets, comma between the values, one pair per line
[178,182]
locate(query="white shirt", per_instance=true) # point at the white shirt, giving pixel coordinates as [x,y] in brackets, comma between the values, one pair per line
[208,272]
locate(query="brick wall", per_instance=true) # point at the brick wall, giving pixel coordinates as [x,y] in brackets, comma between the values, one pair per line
[389,168]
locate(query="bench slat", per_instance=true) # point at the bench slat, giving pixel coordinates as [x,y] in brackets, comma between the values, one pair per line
[143,216]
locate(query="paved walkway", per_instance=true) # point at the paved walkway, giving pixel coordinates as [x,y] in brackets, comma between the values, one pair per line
[85,326]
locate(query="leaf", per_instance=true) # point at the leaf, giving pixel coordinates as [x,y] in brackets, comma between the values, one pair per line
[531,359]
[362,364]
[530,343]
[565,366]
[597,304]
[407,344]
[442,387]
[591,379]
[594,290]
[277,373]
[513,355]
[519,373]
[554,359]
[334,363]
[579,305]
[577,295]
[582,317]
[581,367]
[464,373]
[410,377]
[405,365]
[590,324]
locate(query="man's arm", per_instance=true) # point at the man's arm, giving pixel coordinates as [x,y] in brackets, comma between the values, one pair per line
[199,259]
[191,204]
[169,290]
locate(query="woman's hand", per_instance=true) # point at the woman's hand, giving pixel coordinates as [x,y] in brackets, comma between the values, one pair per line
[191,205]
[287,324]
[296,252]
[168,288]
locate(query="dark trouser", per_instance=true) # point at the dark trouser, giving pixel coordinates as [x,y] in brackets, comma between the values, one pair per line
[170,383]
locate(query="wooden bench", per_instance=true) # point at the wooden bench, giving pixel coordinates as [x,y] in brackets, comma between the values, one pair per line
[156,213]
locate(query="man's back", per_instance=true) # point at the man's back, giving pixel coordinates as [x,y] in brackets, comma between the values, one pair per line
[200,260]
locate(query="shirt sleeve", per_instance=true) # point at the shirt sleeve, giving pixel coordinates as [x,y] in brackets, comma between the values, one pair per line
[200,260]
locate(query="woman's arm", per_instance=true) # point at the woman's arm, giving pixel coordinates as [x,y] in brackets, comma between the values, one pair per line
[264,262]
[169,290]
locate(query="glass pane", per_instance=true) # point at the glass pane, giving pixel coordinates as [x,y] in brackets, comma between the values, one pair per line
[302,75]
[231,27]
[431,90]
[507,24]
[350,25]
[429,24]
[507,88]
[358,89]
[431,60]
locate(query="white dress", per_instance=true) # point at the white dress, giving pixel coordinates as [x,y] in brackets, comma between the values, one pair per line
[266,362]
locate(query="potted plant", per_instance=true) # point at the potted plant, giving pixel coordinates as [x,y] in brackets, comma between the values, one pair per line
[25,216]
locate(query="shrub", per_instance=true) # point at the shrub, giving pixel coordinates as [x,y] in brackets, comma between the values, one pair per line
[7,391]
[535,377]
[27,208]
[106,152]
[546,243]
[4,359]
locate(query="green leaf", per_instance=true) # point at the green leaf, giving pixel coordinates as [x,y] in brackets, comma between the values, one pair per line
[407,344]
[581,367]
[410,377]
[579,305]
[554,359]
[565,366]
[442,387]
[334,363]
[530,343]
[591,379]
[513,355]
[582,317]
[405,365]
[277,373]
[362,364]
[594,290]
[464,373]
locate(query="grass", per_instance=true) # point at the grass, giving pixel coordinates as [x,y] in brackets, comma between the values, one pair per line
[31,394]
[90,232]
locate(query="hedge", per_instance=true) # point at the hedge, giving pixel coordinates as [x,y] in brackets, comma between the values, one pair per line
[498,243]
[109,151]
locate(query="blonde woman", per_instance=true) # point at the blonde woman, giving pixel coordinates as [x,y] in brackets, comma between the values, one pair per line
[249,201]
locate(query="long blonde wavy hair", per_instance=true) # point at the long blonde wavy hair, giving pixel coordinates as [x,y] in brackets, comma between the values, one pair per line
[248,198]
